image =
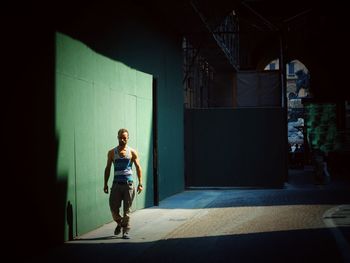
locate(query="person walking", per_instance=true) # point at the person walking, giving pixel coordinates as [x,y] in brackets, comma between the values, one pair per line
[123,188]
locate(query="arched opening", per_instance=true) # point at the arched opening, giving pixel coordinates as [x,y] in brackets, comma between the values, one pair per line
[297,92]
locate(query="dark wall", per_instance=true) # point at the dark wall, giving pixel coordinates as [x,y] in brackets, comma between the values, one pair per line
[235,147]
[32,214]
[221,92]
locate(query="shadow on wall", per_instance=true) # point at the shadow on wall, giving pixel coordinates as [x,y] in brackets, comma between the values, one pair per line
[70,220]
[149,193]
[121,32]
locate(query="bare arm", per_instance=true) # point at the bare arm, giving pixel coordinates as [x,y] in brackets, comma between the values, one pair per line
[136,161]
[108,170]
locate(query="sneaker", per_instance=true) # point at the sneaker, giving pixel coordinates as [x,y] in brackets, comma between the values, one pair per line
[117,230]
[126,235]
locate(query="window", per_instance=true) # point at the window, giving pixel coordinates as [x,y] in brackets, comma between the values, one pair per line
[291,69]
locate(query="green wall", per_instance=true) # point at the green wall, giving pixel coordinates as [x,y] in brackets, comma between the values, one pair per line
[101,72]
[95,96]
[104,73]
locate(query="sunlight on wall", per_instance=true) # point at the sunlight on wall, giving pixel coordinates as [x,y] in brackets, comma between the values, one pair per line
[95,97]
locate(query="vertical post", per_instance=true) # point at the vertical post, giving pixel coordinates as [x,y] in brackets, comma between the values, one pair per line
[284,105]
[155,142]
[282,72]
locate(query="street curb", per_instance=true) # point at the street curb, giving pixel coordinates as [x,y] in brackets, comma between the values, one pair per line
[329,218]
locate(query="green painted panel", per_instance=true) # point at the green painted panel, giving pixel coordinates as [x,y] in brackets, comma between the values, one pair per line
[71,55]
[103,128]
[145,149]
[116,115]
[144,82]
[85,157]
[104,71]
[130,118]
[127,79]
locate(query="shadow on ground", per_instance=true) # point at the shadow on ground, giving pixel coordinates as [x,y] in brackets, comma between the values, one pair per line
[284,246]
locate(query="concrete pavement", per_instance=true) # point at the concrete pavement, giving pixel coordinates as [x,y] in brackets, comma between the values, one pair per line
[294,224]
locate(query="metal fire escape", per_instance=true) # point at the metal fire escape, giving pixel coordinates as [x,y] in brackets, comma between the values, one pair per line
[203,60]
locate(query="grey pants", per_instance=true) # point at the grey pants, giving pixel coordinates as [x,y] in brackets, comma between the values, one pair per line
[122,193]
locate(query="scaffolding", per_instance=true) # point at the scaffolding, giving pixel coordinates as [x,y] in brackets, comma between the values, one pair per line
[226,36]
